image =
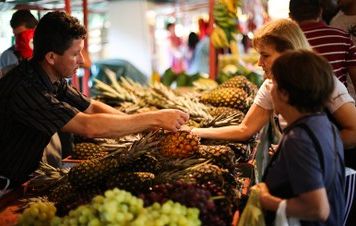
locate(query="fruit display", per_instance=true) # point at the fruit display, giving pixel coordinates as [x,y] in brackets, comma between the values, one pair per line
[177,176]
[225,18]
[200,196]
[39,213]
[114,207]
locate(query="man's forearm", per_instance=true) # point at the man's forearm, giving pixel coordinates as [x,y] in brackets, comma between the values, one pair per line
[99,107]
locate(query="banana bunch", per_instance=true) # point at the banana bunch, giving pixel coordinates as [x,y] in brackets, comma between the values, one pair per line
[225,14]
[219,38]
[231,5]
[225,18]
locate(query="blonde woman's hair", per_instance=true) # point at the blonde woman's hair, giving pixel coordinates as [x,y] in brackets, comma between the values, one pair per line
[283,34]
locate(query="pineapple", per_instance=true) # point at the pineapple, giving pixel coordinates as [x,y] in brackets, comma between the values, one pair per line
[240,82]
[84,151]
[206,172]
[181,144]
[226,111]
[134,182]
[91,173]
[94,172]
[221,155]
[67,198]
[144,163]
[61,193]
[227,97]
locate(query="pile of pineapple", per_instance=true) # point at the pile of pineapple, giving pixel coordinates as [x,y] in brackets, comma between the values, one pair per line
[142,163]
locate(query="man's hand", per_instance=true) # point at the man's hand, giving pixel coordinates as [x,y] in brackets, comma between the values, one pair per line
[171,119]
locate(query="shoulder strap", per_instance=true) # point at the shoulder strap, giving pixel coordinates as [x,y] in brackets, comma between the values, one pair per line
[320,152]
[316,144]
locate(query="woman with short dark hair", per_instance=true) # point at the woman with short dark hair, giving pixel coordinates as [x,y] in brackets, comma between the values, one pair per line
[307,171]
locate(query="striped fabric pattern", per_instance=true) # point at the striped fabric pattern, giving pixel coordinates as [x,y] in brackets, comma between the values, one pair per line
[350,197]
[32,110]
[334,44]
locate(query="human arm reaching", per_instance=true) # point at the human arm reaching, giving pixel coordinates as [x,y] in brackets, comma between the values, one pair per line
[114,125]
[253,122]
[99,107]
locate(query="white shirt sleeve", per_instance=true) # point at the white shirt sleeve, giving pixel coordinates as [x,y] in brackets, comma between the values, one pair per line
[339,97]
[263,97]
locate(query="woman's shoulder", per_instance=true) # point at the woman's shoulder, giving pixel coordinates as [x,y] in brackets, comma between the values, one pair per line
[315,123]
[339,96]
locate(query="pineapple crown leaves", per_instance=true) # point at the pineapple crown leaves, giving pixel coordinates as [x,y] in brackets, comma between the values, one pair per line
[222,120]
[115,90]
[156,95]
[182,102]
[131,108]
[146,144]
[177,169]
[169,164]
[46,176]
[133,87]
[197,166]
[109,91]
[116,144]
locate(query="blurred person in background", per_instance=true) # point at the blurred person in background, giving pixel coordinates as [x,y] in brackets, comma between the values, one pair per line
[23,24]
[193,40]
[200,59]
[203,28]
[306,174]
[175,49]
[345,19]
[334,44]
[330,9]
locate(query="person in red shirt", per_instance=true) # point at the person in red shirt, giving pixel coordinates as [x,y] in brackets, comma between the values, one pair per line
[23,24]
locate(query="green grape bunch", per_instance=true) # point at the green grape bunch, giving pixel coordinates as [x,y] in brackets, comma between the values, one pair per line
[38,213]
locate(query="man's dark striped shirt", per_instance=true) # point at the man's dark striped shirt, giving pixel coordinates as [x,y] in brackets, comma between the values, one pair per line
[32,109]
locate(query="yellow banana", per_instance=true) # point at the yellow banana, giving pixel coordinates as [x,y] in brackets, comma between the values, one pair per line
[234,48]
[215,39]
[230,5]
[222,35]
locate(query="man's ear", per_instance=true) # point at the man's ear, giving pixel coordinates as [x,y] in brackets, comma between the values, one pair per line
[284,95]
[50,58]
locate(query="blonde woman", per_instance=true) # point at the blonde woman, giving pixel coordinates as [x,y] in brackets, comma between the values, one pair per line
[270,42]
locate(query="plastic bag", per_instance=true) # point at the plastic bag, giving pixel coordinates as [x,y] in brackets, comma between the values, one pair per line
[252,214]
[281,216]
